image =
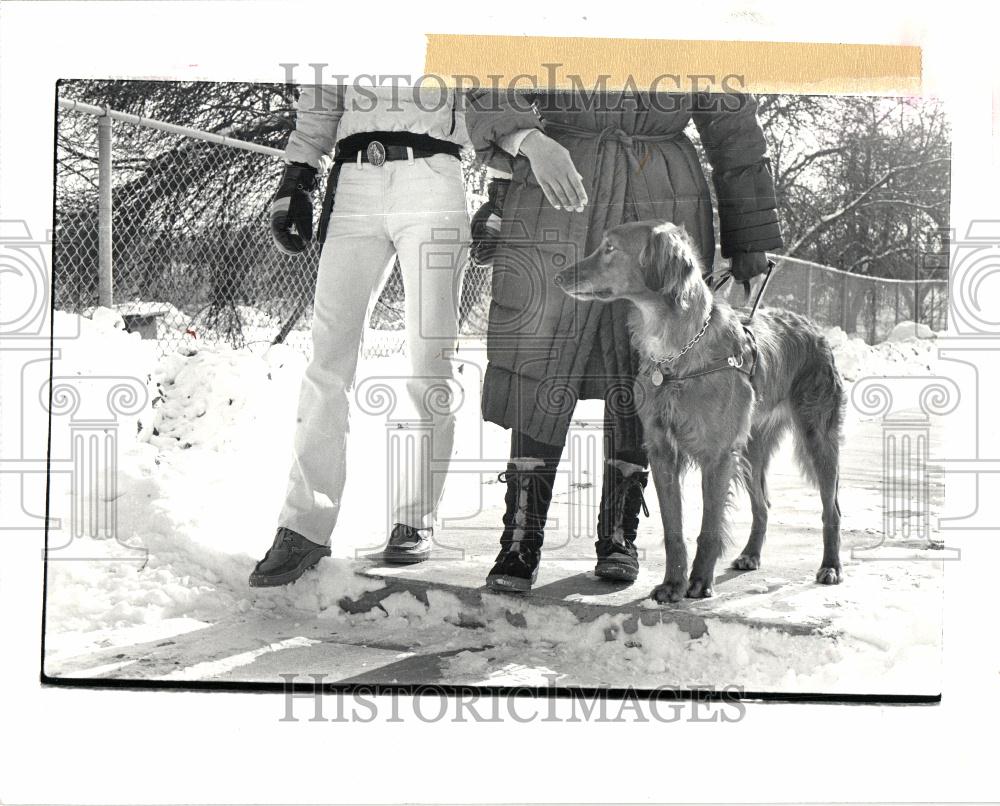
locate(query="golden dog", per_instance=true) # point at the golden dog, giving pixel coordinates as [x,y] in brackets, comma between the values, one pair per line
[715,392]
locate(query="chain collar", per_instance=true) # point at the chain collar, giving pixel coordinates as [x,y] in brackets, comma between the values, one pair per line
[736,361]
[671,357]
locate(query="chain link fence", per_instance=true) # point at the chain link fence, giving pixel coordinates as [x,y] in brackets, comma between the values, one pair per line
[868,307]
[191,251]
[191,255]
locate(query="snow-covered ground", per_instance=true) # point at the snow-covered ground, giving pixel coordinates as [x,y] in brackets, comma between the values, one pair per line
[903,353]
[201,472]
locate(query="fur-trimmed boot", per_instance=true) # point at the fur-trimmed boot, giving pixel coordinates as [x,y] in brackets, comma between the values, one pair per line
[529,492]
[618,520]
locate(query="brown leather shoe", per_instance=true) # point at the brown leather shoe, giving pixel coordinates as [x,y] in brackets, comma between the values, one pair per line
[289,557]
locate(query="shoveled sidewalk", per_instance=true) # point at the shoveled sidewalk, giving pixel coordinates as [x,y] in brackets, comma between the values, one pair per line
[436,622]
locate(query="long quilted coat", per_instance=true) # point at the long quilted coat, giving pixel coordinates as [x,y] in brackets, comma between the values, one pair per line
[545,349]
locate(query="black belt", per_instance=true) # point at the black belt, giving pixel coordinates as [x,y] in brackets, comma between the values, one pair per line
[378,148]
[381,147]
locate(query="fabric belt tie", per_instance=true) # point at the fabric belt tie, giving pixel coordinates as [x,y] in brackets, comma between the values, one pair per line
[617,135]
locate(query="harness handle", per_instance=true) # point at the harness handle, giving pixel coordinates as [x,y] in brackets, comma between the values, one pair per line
[717,280]
[760,291]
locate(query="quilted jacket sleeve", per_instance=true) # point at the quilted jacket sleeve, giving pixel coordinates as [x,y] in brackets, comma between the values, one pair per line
[317,113]
[741,172]
[492,116]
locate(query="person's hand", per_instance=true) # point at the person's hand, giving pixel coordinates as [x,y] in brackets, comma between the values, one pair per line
[555,172]
[486,223]
[744,266]
[292,209]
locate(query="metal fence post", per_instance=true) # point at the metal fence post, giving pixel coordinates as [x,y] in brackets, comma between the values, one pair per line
[809,291]
[843,301]
[872,314]
[104,212]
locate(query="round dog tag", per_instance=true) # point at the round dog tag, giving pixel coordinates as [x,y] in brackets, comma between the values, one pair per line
[656,377]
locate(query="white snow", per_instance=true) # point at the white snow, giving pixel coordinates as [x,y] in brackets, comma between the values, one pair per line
[900,355]
[910,330]
[201,472]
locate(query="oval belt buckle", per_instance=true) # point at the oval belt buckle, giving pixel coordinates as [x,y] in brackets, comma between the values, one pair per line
[376,153]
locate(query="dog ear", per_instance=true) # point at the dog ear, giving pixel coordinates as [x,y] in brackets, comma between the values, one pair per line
[669,258]
[655,254]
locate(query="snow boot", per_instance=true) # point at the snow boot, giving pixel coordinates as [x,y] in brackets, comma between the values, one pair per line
[289,557]
[529,492]
[618,520]
[407,545]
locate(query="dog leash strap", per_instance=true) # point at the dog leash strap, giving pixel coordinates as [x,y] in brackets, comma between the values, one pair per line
[730,362]
[716,280]
[760,291]
[754,351]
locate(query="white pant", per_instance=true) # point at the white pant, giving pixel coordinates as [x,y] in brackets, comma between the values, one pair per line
[415,209]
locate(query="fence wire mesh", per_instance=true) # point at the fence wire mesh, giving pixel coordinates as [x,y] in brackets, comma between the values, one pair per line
[193,257]
[192,252]
[867,307]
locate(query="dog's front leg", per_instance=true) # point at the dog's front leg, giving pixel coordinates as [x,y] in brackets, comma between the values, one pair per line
[716,476]
[666,477]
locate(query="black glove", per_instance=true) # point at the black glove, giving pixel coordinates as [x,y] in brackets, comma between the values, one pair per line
[744,266]
[486,223]
[292,210]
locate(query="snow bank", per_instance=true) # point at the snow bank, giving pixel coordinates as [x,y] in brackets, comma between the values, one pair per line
[910,330]
[201,474]
[99,349]
[900,356]
[190,469]
[220,398]
[170,322]
[100,346]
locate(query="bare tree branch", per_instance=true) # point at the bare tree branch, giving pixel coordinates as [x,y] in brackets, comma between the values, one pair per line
[830,218]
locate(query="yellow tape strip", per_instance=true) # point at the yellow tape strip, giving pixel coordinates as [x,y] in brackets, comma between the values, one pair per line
[675,65]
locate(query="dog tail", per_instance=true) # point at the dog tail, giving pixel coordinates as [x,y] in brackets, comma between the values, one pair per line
[818,409]
[743,474]
[739,483]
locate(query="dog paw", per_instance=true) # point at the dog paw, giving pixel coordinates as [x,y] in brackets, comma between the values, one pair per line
[669,592]
[699,589]
[829,576]
[746,562]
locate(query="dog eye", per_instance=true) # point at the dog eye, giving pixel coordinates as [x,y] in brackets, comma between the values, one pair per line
[609,248]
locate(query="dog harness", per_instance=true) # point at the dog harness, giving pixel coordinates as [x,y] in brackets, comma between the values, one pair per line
[743,359]
[747,347]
